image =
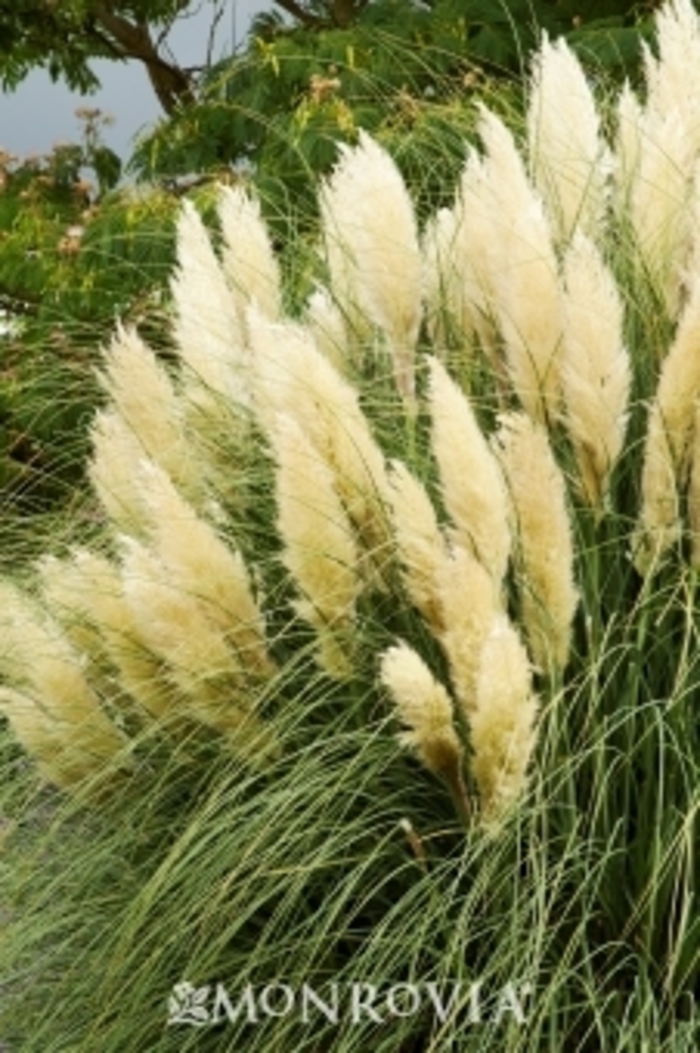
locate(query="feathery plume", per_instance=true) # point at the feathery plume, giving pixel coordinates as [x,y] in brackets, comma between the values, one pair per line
[544,542]
[501,726]
[424,707]
[173,622]
[47,741]
[249,262]
[208,332]
[523,271]
[477,257]
[468,606]
[116,453]
[673,79]
[596,372]
[202,565]
[472,482]
[327,326]
[568,158]
[319,547]
[445,309]
[667,149]
[43,667]
[85,595]
[422,548]
[659,203]
[64,595]
[628,143]
[143,395]
[668,439]
[371,243]
[174,625]
[294,378]
[457,250]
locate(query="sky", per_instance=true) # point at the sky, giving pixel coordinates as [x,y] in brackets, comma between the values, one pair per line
[40,113]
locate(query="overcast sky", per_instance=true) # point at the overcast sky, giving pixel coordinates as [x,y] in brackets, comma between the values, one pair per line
[40,113]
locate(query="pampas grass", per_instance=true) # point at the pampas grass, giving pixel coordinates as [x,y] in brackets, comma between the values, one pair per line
[422,546]
[501,725]
[325,320]
[596,371]
[469,604]
[208,330]
[198,561]
[115,451]
[248,261]
[669,133]
[524,274]
[414,586]
[371,243]
[294,378]
[545,548]
[668,439]
[143,394]
[424,708]
[51,703]
[458,279]
[320,551]
[569,159]
[472,484]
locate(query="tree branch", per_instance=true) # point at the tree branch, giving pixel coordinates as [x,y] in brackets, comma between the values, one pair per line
[300,13]
[170,83]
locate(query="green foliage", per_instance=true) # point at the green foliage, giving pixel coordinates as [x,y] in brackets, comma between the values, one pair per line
[65,37]
[73,258]
[406,72]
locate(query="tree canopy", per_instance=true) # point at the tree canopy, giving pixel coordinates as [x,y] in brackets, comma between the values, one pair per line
[64,37]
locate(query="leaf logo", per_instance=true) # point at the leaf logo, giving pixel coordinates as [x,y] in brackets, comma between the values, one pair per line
[187,1005]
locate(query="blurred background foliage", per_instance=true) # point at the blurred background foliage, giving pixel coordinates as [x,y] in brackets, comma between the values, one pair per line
[83,243]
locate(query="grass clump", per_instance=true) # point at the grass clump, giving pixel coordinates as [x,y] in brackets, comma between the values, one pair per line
[433,488]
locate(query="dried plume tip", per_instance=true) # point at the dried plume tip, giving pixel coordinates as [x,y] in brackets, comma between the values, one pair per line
[424,707]
[249,261]
[422,548]
[319,547]
[501,726]
[523,273]
[51,705]
[371,242]
[208,331]
[668,440]
[596,371]
[544,544]
[569,160]
[472,482]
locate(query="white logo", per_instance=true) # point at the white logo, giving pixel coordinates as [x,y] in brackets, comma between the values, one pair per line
[186,1005]
[467,1003]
